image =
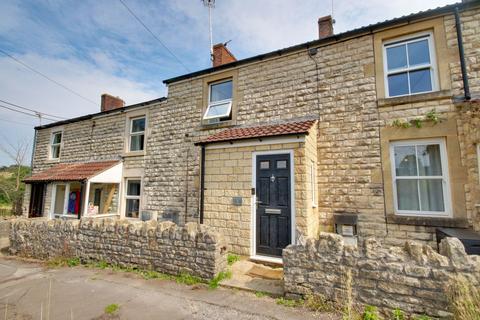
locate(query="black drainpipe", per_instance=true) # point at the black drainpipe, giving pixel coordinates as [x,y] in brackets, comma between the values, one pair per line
[458,26]
[202,183]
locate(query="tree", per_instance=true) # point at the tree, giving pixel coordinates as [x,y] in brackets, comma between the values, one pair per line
[11,186]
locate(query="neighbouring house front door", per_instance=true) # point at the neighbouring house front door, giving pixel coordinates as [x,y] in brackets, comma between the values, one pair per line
[36,200]
[273,195]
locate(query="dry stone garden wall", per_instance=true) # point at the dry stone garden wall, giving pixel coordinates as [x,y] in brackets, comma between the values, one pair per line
[412,278]
[163,247]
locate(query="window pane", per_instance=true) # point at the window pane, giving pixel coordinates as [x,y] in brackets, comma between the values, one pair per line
[219,110]
[281,164]
[429,160]
[264,164]
[138,125]
[397,57]
[136,142]
[221,91]
[55,152]
[133,206]
[418,53]
[407,195]
[398,84]
[57,137]
[405,161]
[431,195]
[420,81]
[133,188]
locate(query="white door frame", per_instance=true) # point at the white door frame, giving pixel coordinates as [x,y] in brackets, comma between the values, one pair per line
[253,227]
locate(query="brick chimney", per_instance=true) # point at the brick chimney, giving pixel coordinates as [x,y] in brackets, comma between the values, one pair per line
[221,55]
[325,27]
[110,102]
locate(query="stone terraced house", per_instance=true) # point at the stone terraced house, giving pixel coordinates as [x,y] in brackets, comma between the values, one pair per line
[371,132]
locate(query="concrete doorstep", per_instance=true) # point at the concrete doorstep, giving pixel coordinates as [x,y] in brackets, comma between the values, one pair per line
[255,277]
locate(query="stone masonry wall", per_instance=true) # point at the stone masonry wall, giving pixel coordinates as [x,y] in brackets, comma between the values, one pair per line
[163,247]
[228,174]
[412,278]
[469,135]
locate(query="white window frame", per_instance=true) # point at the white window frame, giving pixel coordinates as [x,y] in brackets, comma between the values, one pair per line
[127,197]
[52,145]
[138,133]
[432,65]
[213,104]
[313,183]
[445,178]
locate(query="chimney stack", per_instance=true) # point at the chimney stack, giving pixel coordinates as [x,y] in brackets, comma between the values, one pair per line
[221,55]
[325,27]
[110,102]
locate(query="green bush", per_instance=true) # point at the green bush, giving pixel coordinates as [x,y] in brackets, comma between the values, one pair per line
[213,284]
[232,258]
[398,314]
[370,313]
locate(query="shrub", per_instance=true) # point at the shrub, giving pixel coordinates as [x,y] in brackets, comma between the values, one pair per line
[398,314]
[232,258]
[464,299]
[370,313]
[213,284]
[111,308]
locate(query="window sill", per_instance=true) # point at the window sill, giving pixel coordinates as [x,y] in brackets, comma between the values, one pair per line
[223,124]
[134,154]
[53,160]
[437,95]
[427,221]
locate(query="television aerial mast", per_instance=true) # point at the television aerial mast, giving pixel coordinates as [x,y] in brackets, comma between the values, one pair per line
[210,4]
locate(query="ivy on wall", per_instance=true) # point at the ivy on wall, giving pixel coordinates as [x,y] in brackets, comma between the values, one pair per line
[431,116]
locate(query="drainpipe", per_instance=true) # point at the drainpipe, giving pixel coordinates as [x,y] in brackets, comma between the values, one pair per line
[202,183]
[458,26]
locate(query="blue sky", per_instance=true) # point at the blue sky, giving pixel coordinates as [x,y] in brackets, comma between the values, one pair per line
[96,46]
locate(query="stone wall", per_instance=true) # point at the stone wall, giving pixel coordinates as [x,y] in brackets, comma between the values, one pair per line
[228,174]
[469,136]
[412,278]
[163,247]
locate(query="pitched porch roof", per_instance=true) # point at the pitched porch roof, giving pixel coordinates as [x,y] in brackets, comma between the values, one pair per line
[288,128]
[78,171]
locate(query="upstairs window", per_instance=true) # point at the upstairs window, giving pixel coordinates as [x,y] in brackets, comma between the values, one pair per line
[219,101]
[409,66]
[137,134]
[420,177]
[55,145]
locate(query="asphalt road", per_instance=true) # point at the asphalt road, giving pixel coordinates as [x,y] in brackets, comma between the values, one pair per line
[28,290]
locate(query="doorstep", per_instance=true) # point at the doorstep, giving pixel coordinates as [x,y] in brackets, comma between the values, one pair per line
[254,277]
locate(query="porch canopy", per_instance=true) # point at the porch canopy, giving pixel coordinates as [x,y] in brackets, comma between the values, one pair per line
[261,131]
[82,188]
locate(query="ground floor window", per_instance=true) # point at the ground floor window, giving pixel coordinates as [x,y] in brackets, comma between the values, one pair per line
[420,177]
[103,198]
[66,199]
[132,197]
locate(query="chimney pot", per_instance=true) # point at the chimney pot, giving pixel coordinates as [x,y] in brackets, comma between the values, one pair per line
[110,102]
[325,27]
[221,55]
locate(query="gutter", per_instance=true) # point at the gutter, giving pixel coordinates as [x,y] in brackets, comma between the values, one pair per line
[202,183]
[458,26]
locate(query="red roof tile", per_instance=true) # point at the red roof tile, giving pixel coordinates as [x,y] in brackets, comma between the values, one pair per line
[299,127]
[71,171]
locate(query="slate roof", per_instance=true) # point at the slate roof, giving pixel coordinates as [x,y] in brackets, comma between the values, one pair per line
[78,171]
[288,128]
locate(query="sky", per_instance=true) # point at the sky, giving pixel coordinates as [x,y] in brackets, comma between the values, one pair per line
[96,46]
